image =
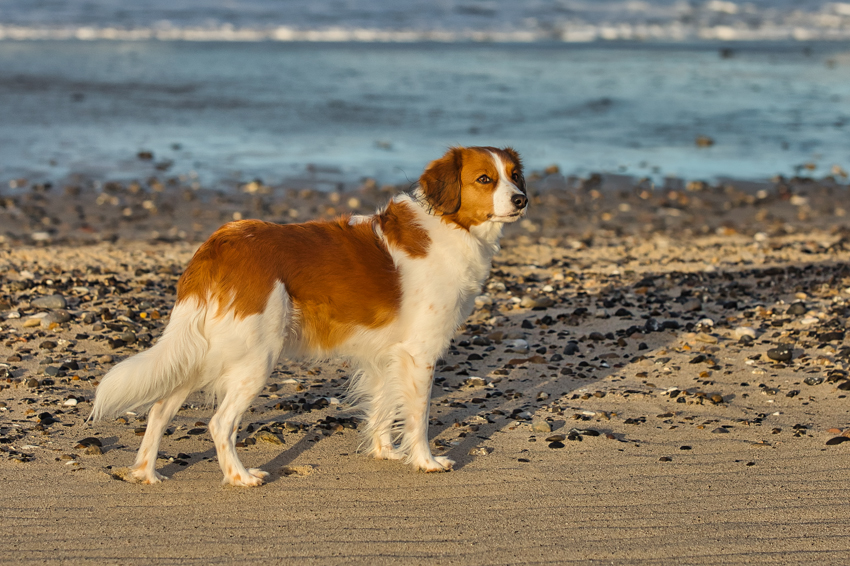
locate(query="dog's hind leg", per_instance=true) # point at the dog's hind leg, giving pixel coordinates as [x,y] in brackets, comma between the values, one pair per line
[242,384]
[160,414]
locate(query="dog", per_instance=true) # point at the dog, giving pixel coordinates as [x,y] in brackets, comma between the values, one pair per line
[386,292]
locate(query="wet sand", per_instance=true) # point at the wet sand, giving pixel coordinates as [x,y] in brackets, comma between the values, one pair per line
[652,376]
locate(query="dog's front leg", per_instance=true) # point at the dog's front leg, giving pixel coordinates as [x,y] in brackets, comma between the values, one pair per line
[417,378]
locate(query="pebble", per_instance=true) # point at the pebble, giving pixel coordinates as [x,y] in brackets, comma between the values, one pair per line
[49,302]
[268,438]
[541,426]
[571,348]
[796,309]
[836,440]
[528,302]
[32,322]
[32,383]
[742,331]
[517,346]
[810,320]
[556,444]
[59,316]
[780,354]
[706,338]
[479,451]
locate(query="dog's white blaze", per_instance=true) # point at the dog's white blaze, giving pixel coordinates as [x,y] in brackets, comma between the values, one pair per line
[502,205]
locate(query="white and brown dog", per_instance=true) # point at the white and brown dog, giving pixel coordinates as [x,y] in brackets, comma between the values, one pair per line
[385,291]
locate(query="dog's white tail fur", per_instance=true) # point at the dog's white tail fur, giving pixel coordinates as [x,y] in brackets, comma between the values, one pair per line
[141,380]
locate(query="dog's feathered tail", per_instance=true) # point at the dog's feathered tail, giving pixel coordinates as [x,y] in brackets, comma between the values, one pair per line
[141,380]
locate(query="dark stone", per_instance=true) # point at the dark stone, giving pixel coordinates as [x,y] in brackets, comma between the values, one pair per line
[571,348]
[831,336]
[796,309]
[780,354]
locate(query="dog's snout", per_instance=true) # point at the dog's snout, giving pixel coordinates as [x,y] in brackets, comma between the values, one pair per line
[519,201]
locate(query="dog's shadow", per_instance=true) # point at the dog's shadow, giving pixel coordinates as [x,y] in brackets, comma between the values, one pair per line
[274,466]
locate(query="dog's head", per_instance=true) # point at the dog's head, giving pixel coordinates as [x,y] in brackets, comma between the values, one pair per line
[473,185]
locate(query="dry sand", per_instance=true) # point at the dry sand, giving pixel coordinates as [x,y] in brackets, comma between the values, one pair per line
[671,441]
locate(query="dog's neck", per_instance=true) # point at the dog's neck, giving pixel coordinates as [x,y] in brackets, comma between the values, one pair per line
[485,235]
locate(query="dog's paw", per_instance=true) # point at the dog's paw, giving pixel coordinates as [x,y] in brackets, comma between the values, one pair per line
[139,475]
[436,464]
[386,452]
[252,478]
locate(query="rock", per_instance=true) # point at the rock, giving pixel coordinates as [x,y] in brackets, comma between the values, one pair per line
[59,316]
[268,438]
[49,302]
[105,359]
[32,383]
[796,309]
[706,338]
[299,471]
[32,322]
[720,430]
[836,440]
[813,380]
[780,354]
[516,346]
[541,426]
[716,399]
[556,438]
[89,441]
[809,320]
[48,345]
[528,302]
[479,451]
[571,348]
[831,336]
[475,381]
[556,444]
[128,337]
[742,331]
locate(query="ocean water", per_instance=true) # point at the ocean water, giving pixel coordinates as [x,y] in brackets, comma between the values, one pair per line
[323,93]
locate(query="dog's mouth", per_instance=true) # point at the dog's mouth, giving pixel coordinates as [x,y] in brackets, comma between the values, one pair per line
[512,217]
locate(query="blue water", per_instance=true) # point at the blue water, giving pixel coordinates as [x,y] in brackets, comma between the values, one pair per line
[303,113]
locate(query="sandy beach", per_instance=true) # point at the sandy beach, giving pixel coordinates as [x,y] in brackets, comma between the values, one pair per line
[652,375]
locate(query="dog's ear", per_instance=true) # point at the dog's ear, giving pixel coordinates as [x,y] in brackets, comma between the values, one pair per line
[440,183]
[516,159]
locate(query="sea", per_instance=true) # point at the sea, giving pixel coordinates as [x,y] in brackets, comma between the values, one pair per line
[327,94]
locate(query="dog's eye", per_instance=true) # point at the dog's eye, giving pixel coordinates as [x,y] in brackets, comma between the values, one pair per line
[515,176]
[484,179]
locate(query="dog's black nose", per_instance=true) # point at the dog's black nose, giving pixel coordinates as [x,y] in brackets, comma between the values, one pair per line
[519,201]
